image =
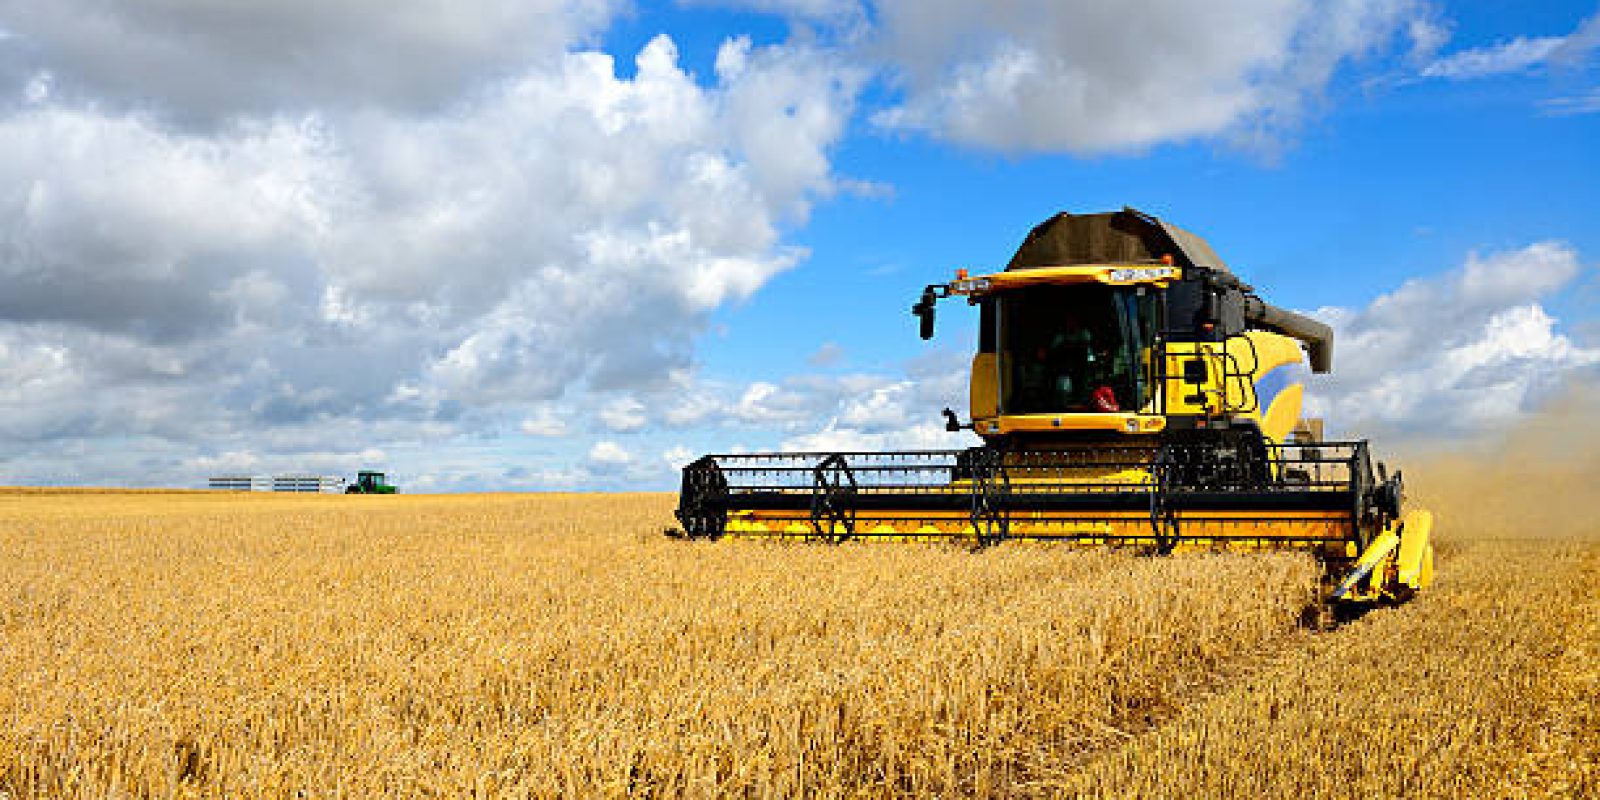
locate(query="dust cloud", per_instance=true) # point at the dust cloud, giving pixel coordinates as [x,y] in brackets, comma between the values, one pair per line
[1536,479]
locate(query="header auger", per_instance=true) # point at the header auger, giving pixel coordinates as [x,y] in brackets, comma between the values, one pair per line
[1128,389]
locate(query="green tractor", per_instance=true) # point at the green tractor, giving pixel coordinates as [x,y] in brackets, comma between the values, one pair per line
[370,482]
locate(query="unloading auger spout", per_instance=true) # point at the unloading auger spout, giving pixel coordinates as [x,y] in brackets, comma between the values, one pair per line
[1127,389]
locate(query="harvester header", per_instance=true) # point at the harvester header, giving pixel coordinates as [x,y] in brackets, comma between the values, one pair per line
[1128,388]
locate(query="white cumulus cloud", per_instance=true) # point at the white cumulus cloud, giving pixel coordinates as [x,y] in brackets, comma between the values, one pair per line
[545,421]
[203,60]
[310,281]
[1029,75]
[606,454]
[1518,54]
[623,415]
[1457,351]
[1512,56]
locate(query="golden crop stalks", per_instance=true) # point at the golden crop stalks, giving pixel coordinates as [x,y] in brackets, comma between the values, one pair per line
[241,645]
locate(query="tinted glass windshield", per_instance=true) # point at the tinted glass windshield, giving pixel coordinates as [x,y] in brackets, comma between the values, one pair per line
[1074,349]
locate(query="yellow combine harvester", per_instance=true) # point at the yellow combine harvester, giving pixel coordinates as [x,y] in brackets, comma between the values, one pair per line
[1128,389]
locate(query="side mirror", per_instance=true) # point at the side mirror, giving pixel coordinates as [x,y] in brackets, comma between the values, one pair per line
[952,423]
[923,310]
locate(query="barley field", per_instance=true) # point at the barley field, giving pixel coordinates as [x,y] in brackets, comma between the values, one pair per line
[208,645]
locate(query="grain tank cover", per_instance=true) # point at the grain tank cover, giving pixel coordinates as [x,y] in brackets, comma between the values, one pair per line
[1118,237]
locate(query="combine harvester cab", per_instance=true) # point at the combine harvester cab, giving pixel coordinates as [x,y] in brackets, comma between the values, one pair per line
[1128,389]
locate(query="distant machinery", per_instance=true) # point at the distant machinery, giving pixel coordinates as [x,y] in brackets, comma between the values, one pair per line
[306,483]
[293,482]
[241,483]
[371,482]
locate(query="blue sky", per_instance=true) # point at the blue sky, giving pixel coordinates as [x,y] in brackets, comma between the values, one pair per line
[493,245]
[1391,177]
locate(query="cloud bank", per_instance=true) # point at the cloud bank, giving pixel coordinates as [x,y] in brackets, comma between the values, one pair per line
[297,235]
[1472,349]
[202,61]
[201,280]
[1519,54]
[1030,76]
